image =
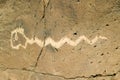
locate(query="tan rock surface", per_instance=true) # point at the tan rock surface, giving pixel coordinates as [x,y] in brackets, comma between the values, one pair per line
[56,19]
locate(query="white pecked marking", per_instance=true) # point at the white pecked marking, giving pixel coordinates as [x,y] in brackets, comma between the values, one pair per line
[49,40]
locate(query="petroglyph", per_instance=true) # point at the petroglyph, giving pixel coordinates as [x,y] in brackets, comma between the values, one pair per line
[49,40]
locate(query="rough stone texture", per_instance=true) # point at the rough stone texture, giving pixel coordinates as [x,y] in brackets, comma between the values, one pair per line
[56,19]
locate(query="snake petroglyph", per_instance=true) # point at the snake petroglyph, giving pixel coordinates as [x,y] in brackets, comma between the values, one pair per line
[49,40]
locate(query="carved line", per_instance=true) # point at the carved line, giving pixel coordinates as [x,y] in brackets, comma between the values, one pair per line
[56,44]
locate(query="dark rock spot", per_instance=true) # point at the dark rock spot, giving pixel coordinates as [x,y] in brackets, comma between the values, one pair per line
[99,61]
[73,48]
[108,53]
[24,69]
[35,15]
[29,0]
[78,0]
[91,62]
[117,47]
[107,24]
[80,48]
[104,71]
[97,29]
[95,45]
[102,54]
[115,19]
[117,64]
[75,33]
[90,4]
[62,16]
[36,23]
[114,74]
[96,75]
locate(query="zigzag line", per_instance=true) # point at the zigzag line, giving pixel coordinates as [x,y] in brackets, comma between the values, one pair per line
[56,44]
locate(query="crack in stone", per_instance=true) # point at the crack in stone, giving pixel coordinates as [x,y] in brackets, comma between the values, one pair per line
[85,77]
[68,78]
[39,55]
[45,5]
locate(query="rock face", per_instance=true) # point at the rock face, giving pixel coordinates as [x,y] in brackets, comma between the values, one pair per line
[59,39]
